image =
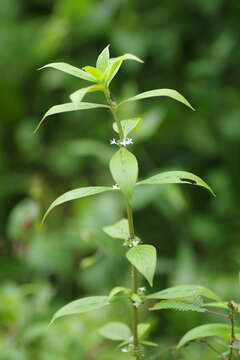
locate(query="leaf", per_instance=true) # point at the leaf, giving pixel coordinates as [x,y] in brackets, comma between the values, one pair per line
[77,194]
[80,306]
[143,329]
[114,65]
[57,109]
[69,69]
[176,177]
[98,75]
[149,343]
[124,170]
[144,258]
[119,230]
[159,92]
[127,125]
[102,60]
[183,291]
[115,331]
[205,331]
[116,290]
[221,305]
[177,304]
[78,95]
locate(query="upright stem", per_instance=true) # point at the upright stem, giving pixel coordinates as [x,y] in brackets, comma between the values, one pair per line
[131,229]
[231,318]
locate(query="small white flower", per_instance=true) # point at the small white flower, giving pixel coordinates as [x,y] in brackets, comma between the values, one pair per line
[136,304]
[135,242]
[125,350]
[115,186]
[126,141]
[113,141]
[142,289]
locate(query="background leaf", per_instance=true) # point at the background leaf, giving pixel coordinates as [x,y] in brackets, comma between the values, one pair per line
[144,258]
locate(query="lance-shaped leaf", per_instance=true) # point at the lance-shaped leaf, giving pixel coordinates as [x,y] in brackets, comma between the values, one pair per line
[78,95]
[119,230]
[206,331]
[115,331]
[114,65]
[128,125]
[124,170]
[176,177]
[81,306]
[98,75]
[184,291]
[178,304]
[57,109]
[118,289]
[144,258]
[103,59]
[69,69]
[159,92]
[77,194]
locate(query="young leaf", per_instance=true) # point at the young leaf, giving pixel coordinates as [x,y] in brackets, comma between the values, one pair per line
[80,306]
[127,125]
[117,290]
[176,177]
[143,329]
[57,109]
[77,194]
[98,75]
[119,230]
[184,291]
[114,65]
[69,69]
[115,331]
[159,92]
[144,258]
[177,304]
[102,60]
[205,331]
[78,95]
[124,170]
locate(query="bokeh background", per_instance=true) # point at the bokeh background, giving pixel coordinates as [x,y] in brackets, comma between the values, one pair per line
[191,46]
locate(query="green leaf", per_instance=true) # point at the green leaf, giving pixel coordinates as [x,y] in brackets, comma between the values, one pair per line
[183,291]
[205,331]
[69,69]
[78,95]
[119,230]
[98,75]
[77,194]
[149,343]
[176,177]
[57,109]
[127,125]
[144,258]
[177,304]
[124,170]
[103,59]
[159,92]
[115,331]
[221,305]
[114,65]
[143,329]
[118,289]
[80,306]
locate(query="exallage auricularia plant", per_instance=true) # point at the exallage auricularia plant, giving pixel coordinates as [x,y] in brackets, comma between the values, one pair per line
[142,257]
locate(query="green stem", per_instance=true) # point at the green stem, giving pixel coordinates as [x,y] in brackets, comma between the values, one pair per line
[231,318]
[113,109]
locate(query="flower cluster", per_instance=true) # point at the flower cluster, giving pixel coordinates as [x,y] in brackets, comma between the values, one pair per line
[125,142]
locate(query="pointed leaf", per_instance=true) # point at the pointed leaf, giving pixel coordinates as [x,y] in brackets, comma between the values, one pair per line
[115,331]
[57,109]
[127,125]
[124,170]
[117,290]
[98,75]
[81,305]
[183,291]
[176,177]
[205,331]
[115,63]
[119,230]
[69,69]
[102,60]
[78,95]
[177,304]
[144,258]
[77,194]
[143,329]
[159,92]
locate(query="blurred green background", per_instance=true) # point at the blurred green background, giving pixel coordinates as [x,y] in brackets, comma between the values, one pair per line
[191,46]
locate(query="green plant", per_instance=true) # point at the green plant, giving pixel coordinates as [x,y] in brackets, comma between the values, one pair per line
[124,170]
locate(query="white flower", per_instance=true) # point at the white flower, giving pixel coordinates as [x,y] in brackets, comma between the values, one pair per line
[125,350]
[136,304]
[115,186]
[142,289]
[126,141]
[135,242]
[113,142]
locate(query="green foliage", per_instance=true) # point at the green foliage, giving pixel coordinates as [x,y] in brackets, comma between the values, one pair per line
[144,257]
[119,230]
[128,125]
[115,331]
[178,304]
